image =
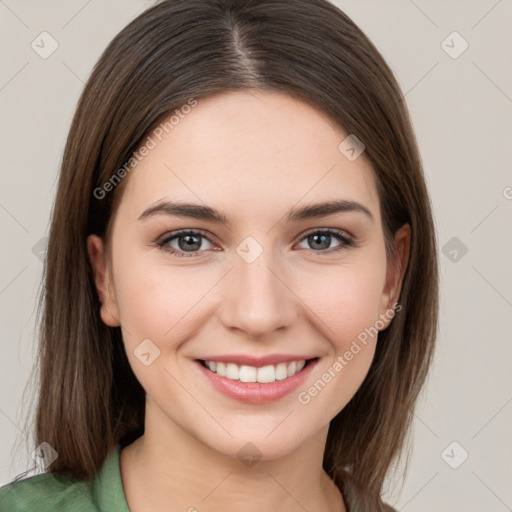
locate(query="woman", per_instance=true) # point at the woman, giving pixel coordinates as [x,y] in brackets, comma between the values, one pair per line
[240,301]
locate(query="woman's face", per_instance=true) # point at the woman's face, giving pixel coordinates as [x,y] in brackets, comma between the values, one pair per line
[221,252]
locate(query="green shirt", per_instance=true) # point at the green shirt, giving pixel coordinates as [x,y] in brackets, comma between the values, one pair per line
[48,492]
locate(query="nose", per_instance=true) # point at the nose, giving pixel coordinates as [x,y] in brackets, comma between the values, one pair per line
[258,297]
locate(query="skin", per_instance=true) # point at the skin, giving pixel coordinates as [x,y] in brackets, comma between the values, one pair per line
[252,155]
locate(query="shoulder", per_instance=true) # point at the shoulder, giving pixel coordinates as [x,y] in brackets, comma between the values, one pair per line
[47,492]
[50,492]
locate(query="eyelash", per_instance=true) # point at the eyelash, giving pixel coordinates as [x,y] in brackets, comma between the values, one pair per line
[341,236]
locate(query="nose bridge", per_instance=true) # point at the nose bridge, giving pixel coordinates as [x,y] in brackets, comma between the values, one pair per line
[257,300]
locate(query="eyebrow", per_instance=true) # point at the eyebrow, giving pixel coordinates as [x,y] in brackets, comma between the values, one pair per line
[197,211]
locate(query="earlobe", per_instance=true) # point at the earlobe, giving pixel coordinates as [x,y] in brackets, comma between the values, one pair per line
[108,317]
[396,271]
[102,280]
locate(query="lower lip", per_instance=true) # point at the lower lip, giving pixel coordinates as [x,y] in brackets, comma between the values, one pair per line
[256,392]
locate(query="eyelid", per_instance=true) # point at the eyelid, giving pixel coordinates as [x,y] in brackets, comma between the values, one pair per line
[169,235]
[337,231]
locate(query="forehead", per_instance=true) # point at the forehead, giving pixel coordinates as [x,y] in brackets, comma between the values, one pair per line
[250,151]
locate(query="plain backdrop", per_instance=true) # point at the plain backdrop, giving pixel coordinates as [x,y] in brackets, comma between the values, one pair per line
[453,62]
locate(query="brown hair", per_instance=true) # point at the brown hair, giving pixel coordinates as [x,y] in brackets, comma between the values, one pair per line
[89,398]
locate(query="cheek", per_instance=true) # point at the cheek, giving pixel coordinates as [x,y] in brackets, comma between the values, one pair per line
[156,301]
[347,300]
[347,303]
[159,304]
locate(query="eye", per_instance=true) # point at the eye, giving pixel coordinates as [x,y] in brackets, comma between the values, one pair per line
[321,239]
[188,243]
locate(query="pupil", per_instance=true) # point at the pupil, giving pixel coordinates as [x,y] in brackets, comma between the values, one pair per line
[190,242]
[325,237]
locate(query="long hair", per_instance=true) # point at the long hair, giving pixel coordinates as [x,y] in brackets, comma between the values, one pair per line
[89,398]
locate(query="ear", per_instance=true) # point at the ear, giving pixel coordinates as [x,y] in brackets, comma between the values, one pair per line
[103,281]
[395,274]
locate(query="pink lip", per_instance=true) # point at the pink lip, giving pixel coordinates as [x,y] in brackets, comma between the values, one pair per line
[257,362]
[256,392]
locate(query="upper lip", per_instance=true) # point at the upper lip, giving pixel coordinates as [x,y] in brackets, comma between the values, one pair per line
[257,362]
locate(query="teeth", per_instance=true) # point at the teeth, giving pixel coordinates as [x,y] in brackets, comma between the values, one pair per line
[264,375]
[232,371]
[248,374]
[281,371]
[221,369]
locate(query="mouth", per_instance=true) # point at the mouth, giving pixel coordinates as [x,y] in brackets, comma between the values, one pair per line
[257,383]
[263,374]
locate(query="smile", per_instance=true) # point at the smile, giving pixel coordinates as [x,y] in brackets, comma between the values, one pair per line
[264,374]
[256,381]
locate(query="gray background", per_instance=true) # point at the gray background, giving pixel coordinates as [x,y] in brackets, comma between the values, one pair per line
[462,112]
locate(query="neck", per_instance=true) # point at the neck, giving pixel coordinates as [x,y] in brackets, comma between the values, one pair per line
[167,469]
